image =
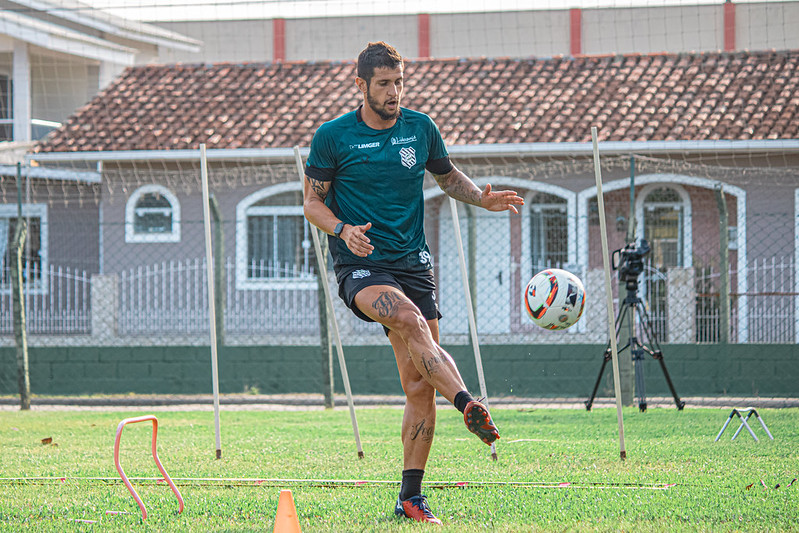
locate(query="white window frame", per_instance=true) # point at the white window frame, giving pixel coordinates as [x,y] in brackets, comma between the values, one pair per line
[9,120]
[130,211]
[247,207]
[33,211]
[686,235]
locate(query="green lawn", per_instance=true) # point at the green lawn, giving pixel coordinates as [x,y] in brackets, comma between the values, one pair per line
[539,449]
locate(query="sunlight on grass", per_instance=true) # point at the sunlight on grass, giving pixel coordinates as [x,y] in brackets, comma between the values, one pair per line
[539,450]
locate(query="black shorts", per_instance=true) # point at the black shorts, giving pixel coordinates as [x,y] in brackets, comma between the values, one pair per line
[417,284]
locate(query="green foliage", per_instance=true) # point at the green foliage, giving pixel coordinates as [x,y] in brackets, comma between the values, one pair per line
[539,449]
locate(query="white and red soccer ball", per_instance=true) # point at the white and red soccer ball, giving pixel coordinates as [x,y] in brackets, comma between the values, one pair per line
[554,299]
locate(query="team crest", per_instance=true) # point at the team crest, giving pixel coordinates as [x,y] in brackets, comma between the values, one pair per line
[408,156]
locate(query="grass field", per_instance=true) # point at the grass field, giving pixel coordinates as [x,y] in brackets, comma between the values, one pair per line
[539,450]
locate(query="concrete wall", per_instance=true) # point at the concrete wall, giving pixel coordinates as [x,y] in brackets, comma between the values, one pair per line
[539,33]
[523,371]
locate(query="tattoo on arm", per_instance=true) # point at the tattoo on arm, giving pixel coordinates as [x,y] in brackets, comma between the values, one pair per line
[318,186]
[387,304]
[421,430]
[457,185]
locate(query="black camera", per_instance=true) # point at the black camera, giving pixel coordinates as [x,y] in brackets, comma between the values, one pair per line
[629,261]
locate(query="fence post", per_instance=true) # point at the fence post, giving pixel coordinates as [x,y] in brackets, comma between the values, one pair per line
[681,305]
[18,306]
[104,308]
[724,266]
[18,303]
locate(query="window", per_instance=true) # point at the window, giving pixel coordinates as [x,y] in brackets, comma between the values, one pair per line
[549,232]
[152,215]
[663,226]
[274,244]
[6,107]
[34,254]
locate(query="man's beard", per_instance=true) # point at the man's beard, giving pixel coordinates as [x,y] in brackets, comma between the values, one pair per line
[380,110]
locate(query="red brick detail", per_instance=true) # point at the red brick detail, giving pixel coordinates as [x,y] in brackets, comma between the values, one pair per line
[576,31]
[729,26]
[279,39]
[424,34]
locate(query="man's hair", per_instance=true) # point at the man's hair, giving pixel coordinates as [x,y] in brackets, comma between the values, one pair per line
[377,55]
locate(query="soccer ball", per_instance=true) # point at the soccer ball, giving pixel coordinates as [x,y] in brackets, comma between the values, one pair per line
[554,299]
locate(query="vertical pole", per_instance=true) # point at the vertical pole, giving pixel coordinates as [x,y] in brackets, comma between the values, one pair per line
[18,302]
[325,339]
[220,275]
[724,266]
[471,241]
[211,292]
[470,310]
[342,363]
[614,349]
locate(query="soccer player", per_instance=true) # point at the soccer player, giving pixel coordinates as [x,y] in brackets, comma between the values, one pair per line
[363,187]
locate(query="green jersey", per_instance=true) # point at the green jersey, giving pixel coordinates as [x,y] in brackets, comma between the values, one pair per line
[377,177]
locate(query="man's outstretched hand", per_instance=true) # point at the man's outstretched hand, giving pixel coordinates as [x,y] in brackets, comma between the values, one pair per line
[500,200]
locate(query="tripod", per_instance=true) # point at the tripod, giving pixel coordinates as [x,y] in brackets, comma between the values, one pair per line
[633,305]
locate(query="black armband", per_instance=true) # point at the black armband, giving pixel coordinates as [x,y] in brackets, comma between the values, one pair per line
[321,174]
[440,166]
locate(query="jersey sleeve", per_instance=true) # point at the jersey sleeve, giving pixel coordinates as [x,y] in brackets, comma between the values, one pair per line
[321,164]
[438,159]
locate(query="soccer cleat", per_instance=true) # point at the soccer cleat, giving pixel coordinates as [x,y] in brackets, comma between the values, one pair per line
[478,420]
[416,508]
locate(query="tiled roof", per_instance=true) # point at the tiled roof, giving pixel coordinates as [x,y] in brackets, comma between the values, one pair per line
[731,96]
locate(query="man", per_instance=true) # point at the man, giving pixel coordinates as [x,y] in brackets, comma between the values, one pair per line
[363,187]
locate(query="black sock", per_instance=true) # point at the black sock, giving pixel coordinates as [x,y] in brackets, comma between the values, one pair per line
[411,483]
[461,399]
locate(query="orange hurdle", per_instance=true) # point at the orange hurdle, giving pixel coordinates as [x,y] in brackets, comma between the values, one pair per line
[155,456]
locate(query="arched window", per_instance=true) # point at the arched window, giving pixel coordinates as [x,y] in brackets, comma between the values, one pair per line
[664,219]
[549,231]
[273,244]
[152,215]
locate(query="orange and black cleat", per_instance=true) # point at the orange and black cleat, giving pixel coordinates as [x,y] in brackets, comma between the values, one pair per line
[416,508]
[478,420]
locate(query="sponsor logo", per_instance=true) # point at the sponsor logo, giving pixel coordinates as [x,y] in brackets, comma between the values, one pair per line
[403,140]
[407,156]
[361,273]
[375,144]
[425,257]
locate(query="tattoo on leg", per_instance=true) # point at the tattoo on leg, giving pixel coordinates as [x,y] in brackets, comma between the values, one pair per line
[422,430]
[387,304]
[432,363]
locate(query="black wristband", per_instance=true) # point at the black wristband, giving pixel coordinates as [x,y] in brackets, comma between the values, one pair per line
[338,229]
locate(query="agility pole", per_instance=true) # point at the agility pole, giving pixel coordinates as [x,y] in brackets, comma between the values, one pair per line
[321,262]
[209,261]
[470,311]
[614,349]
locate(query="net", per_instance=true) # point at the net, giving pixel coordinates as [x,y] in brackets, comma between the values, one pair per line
[695,104]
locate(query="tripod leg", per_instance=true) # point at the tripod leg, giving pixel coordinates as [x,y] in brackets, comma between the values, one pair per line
[640,383]
[608,356]
[649,331]
[677,401]
[590,401]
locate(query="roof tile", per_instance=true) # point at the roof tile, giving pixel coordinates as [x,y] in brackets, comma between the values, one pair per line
[729,96]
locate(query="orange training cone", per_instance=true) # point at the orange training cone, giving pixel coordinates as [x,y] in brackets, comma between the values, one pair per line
[286,519]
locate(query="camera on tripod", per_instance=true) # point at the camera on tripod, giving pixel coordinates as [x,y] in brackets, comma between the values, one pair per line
[629,261]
